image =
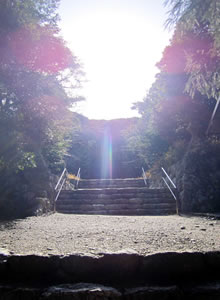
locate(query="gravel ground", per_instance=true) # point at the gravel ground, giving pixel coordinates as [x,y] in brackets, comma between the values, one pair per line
[62,234]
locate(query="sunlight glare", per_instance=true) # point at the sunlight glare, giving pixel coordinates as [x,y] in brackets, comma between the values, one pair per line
[118,54]
[107,155]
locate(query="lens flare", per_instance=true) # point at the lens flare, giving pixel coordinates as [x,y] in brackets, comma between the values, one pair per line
[106,170]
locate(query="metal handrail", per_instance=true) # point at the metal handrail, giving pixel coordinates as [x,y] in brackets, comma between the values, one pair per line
[78,178]
[169,178]
[60,178]
[60,183]
[213,115]
[144,176]
[174,196]
[174,186]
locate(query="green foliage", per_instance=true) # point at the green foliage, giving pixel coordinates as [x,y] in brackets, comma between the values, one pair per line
[17,13]
[38,79]
[88,152]
[180,102]
[175,153]
[195,15]
[198,21]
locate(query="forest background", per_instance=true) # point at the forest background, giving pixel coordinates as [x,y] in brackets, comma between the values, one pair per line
[39,84]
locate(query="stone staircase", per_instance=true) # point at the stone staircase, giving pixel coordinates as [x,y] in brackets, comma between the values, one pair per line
[115,197]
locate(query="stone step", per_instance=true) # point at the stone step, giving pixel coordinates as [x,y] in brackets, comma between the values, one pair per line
[130,203]
[128,206]
[113,196]
[116,197]
[114,201]
[125,212]
[200,290]
[123,269]
[93,183]
[103,198]
[100,186]
[118,183]
[116,191]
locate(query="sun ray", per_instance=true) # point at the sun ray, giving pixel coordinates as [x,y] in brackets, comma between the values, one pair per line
[106,169]
[119,50]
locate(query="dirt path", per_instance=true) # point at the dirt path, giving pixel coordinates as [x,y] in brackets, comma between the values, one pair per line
[92,235]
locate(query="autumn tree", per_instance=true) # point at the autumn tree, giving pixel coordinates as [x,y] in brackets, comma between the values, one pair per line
[198,23]
[39,81]
[180,102]
[39,75]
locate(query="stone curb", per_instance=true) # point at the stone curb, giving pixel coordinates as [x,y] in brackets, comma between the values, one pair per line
[89,291]
[113,268]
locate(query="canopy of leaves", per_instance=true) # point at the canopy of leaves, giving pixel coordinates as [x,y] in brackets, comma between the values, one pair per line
[179,104]
[198,24]
[38,79]
[99,146]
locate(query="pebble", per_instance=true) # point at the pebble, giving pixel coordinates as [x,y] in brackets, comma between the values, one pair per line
[4,251]
[57,234]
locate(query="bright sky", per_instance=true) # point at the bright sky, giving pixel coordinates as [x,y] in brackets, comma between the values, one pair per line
[118,43]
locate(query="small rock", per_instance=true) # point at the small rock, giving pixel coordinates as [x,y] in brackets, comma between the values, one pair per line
[203,229]
[211,224]
[183,227]
[4,251]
